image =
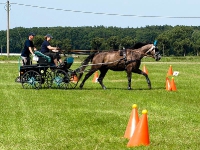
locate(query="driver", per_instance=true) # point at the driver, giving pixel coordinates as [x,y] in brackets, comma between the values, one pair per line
[50,51]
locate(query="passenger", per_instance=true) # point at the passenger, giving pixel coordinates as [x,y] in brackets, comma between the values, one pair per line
[29,48]
[50,51]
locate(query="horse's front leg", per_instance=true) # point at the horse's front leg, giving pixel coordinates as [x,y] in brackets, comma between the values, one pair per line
[146,76]
[129,76]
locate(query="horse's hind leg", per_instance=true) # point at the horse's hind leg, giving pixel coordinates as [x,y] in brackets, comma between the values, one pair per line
[129,75]
[101,77]
[86,77]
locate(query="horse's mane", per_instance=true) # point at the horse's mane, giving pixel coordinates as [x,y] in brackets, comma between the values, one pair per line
[138,45]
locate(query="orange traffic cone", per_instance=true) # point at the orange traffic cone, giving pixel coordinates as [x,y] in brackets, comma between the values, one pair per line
[168,85]
[133,121]
[145,69]
[141,134]
[170,72]
[173,86]
[95,77]
[74,78]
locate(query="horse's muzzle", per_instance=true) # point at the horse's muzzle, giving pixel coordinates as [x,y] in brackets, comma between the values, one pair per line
[157,57]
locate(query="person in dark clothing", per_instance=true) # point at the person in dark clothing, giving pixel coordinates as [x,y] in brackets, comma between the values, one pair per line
[50,51]
[29,48]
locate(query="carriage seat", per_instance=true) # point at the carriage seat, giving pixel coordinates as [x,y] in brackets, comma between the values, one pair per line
[68,62]
[43,60]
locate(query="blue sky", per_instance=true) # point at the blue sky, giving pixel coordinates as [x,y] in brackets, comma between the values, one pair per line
[28,16]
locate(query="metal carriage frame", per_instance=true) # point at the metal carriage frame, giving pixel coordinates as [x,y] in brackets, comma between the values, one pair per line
[44,75]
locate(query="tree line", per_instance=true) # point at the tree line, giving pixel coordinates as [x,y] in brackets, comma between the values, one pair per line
[172,41]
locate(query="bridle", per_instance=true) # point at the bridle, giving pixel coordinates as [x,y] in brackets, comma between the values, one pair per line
[153,48]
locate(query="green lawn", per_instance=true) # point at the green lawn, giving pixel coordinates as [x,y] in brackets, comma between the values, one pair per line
[96,119]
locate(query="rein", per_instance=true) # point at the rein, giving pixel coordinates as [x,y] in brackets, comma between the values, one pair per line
[102,63]
[124,58]
[126,62]
[97,64]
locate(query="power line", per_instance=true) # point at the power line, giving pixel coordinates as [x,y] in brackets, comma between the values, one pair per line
[108,14]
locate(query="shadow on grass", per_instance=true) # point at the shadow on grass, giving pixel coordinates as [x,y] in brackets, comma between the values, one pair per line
[118,88]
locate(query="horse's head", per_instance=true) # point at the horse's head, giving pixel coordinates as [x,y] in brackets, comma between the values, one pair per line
[154,52]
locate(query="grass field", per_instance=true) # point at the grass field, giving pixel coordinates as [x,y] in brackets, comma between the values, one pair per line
[96,119]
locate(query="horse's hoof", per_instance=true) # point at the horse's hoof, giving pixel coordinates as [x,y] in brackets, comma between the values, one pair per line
[129,88]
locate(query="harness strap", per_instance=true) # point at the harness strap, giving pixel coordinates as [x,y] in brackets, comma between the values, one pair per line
[124,54]
[130,61]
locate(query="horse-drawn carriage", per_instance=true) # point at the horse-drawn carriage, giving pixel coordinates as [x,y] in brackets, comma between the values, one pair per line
[45,75]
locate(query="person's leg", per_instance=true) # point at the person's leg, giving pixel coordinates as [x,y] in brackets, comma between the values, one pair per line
[52,58]
[26,60]
[55,62]
[59,58]
[54,55]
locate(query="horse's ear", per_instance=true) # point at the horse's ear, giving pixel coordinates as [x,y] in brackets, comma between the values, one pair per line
[155,43]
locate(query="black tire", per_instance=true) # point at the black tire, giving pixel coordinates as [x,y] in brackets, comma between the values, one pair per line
[31,80]
[60,79]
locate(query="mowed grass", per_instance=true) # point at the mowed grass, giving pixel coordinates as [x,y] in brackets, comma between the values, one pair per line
[96,119]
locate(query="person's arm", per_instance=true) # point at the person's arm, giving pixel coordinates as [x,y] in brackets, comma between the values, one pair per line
[31,51]
[30,46]
[51,48]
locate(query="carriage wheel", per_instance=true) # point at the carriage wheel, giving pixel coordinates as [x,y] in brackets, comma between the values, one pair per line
[31,80]
[73,80]
[60,79]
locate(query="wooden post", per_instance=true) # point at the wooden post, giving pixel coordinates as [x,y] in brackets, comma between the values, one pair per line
[8,28]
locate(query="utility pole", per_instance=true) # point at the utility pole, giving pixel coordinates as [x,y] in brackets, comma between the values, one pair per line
[8,28]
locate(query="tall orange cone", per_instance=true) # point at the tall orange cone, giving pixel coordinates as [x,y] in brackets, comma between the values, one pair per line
[170,72]
[168,84]
[145,69]
[95,77]
[133,121]
[141,134]
[173,85]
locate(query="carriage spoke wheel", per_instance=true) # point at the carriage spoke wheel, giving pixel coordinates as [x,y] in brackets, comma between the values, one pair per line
[60,79]
[73,80]
[31,80]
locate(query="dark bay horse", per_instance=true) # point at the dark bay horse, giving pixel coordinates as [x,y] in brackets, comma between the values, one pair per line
[130,62]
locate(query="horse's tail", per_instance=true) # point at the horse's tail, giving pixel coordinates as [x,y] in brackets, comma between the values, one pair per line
[89,58]
[84,64]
